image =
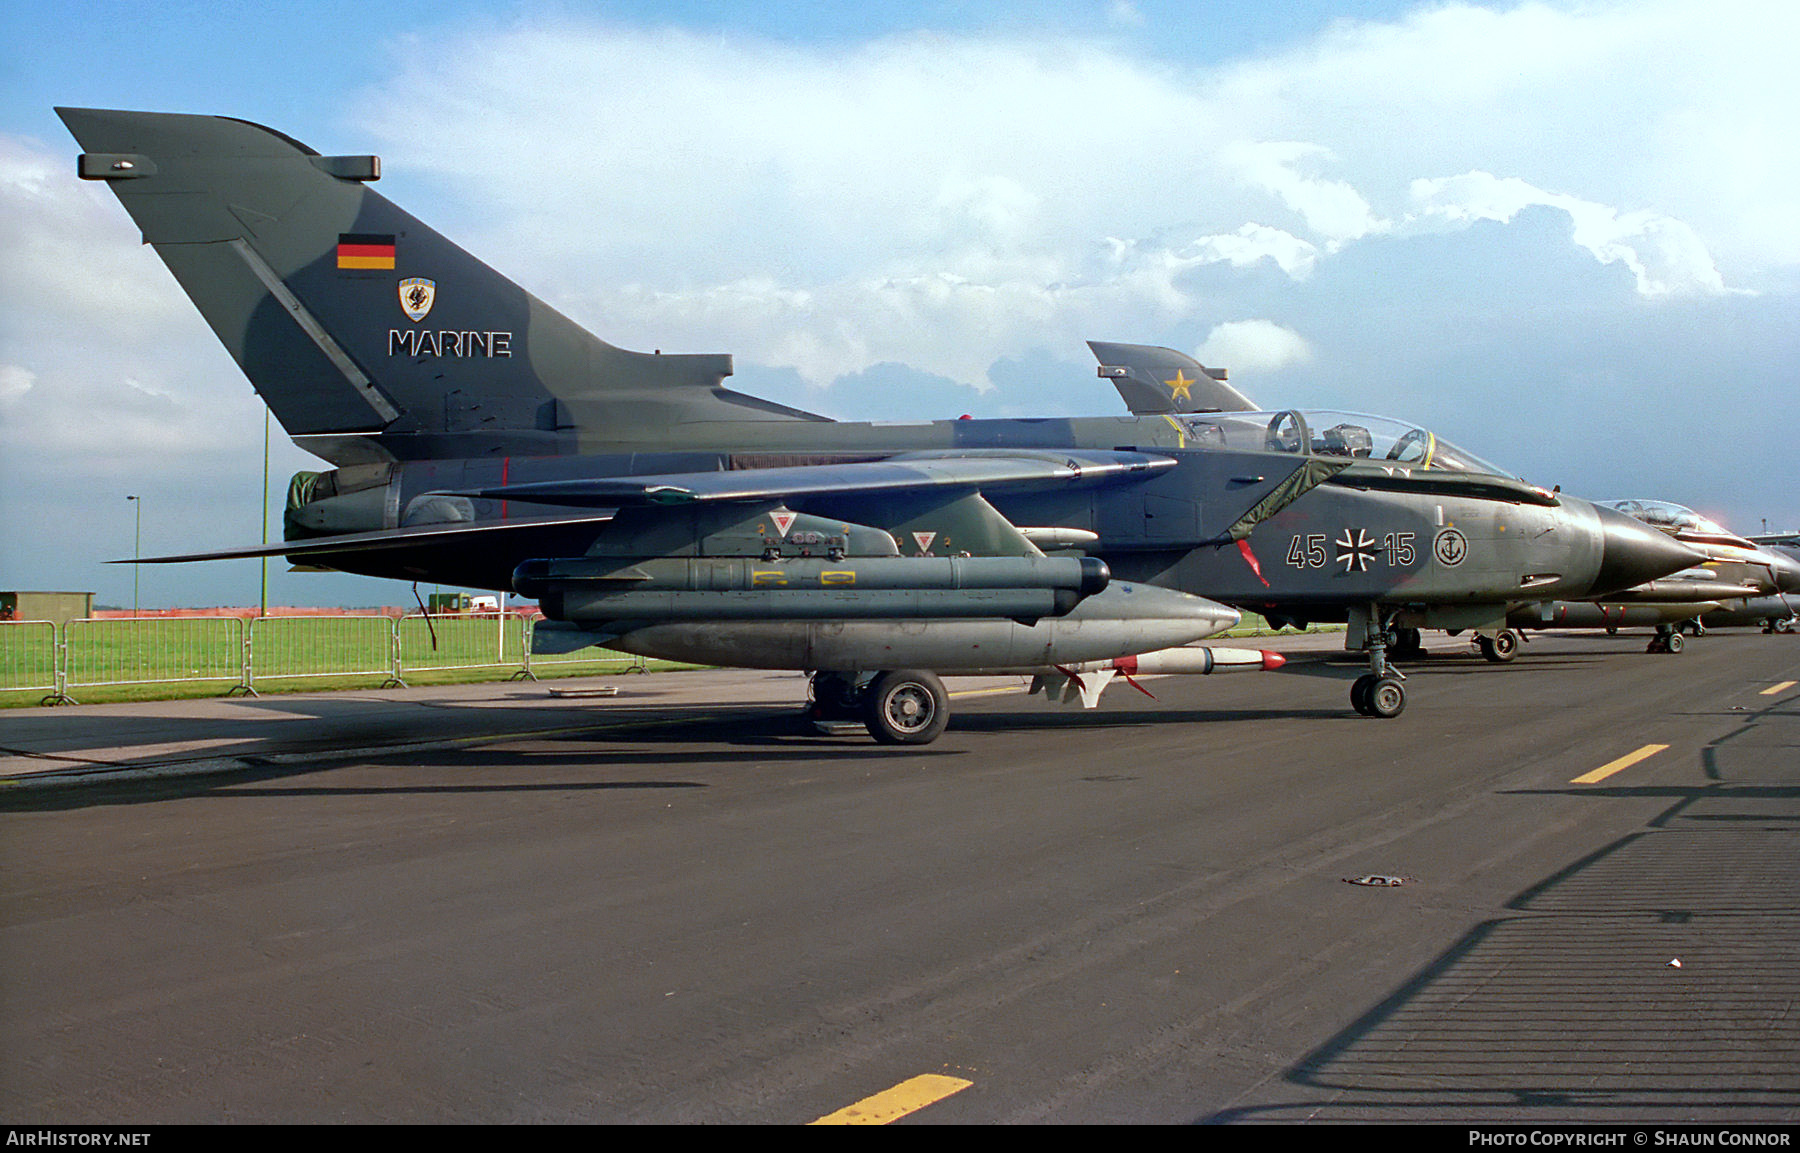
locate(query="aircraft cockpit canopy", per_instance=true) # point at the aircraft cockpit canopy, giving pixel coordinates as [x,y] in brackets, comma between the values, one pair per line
[1675,518]
[1376,439]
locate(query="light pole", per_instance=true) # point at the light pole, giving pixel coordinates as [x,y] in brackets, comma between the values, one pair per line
[137,550]
[263,605]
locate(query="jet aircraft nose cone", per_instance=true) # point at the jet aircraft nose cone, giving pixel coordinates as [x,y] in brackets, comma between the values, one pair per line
[1632,552]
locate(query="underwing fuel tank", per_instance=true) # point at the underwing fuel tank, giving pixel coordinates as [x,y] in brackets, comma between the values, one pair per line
[596,591]
[1598,615]
[1124,619]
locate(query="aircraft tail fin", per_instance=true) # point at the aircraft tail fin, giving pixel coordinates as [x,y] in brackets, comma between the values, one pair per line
[369,334]
[1154,381]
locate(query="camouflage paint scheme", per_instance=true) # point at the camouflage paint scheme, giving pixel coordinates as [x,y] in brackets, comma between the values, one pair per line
[475,428]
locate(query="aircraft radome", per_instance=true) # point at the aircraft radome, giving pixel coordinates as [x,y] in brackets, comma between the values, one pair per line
[675,517]
[1739,582]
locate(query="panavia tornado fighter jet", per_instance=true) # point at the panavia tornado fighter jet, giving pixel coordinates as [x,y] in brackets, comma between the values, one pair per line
[1162,381]
[1738,580]
[1734,561]
[480,438]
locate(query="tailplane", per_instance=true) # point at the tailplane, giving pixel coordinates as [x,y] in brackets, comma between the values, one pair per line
[369,335]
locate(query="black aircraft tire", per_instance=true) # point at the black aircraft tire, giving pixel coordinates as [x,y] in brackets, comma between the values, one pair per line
[1387,698]
[907,707]
[1674,644]
[1359,694]
[1501,648]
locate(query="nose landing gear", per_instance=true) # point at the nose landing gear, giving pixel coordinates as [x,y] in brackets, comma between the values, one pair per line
[1378,695]
[1378,692]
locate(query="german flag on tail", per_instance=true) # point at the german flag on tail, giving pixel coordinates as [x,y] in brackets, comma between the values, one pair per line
[365,251]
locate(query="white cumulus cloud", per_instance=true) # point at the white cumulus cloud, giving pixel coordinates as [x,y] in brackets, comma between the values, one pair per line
[1665,255]
[103,357]
[946,201]
[1330,208]
[1253,346]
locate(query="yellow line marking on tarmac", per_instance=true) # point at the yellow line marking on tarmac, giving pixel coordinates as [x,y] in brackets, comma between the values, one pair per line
[908,1096]
[1782,687]
[1611,767]
[988,692]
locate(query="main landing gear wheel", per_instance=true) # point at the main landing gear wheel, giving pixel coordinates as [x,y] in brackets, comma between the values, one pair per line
[1501,647]
[906,707]
[1405,645]
[1666,642]
[1374,696]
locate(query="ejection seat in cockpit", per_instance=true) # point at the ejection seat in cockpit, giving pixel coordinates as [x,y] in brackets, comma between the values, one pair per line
[1346,440]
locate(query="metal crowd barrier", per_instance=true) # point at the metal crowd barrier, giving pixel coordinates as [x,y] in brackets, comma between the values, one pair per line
[466,641]
[38,656]
[31,659]
[152,650]
[284,647]
[623,662]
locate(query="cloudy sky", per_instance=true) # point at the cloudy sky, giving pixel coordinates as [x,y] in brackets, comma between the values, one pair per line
[1564,235]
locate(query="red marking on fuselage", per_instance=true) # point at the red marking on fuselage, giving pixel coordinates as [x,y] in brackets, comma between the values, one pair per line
[1250,558]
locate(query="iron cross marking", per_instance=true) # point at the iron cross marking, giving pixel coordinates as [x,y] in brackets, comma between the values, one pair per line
[1356,553]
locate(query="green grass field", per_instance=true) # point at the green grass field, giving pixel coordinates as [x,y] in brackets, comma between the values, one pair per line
[166,658]
[156,658]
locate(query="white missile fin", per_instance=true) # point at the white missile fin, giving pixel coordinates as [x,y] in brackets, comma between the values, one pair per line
[1093,684]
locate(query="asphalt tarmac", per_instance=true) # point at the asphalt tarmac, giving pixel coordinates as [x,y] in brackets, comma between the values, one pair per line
[486,904]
